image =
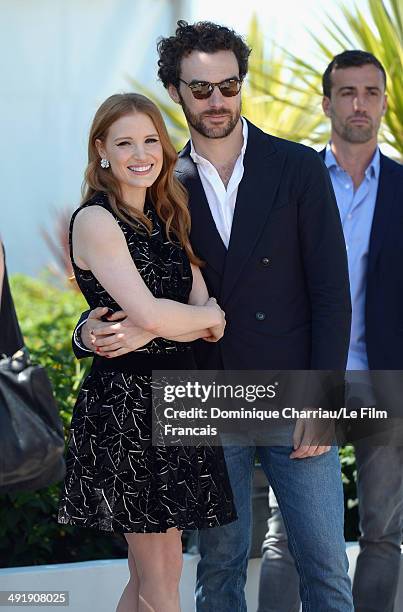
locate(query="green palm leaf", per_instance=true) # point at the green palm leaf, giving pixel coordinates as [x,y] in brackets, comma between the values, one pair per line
[385,41]
[282,93]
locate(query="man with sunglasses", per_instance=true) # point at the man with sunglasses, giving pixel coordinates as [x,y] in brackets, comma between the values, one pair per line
[265,221]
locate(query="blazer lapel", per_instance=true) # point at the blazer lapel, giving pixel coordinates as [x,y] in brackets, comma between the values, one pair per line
[257,192]
[385,199]
[204,236]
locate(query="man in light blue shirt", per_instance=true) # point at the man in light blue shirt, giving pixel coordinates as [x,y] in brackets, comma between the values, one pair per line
[356,207]
[369,193]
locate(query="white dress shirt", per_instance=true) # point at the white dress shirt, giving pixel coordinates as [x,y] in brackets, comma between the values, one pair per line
[221,200]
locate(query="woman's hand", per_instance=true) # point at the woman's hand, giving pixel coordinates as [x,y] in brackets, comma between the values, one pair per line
[216,332]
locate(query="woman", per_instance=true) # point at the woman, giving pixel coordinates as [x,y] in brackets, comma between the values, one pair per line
[130,251]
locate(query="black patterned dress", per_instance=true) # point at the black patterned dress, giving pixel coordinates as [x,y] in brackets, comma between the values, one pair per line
[116,480]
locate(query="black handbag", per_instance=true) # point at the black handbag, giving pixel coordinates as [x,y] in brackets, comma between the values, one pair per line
[31,431]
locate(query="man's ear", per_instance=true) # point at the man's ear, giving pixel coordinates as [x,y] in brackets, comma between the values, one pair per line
[326,105]
[173,93]
[100,148]
[385,104]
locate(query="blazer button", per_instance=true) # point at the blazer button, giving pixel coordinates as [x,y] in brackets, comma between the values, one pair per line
[260,316]
[265,261]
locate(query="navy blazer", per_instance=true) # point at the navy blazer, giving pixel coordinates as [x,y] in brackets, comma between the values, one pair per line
[384,295]
[283,282]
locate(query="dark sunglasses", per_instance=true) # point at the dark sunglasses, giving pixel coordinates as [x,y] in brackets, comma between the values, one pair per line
[203,89]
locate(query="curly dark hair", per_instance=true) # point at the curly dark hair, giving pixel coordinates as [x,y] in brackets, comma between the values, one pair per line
[201,36]
[349,59]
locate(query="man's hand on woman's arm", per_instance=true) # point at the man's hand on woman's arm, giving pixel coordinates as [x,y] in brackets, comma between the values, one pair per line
[114,337]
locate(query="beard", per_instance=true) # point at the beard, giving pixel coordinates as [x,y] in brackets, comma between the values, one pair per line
[198,122]
[355,133]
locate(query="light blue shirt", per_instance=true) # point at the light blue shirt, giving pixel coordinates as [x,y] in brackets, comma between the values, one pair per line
[356,212]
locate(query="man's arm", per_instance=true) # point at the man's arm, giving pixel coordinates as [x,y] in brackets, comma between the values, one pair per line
[325,262]
[80,349]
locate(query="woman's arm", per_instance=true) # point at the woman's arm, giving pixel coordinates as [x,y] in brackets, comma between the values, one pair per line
[198,297]
[104,251]
[199,294]
[121,336]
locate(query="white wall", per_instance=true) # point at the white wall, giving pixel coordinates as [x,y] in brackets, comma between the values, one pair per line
[59,59]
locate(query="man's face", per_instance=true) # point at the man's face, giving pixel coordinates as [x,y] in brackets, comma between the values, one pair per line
[216,116]
[357,103]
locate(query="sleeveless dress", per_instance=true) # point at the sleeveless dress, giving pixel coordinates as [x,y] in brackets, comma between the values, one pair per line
[116,480]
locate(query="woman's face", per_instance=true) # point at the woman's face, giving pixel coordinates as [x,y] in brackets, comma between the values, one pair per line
[134,151]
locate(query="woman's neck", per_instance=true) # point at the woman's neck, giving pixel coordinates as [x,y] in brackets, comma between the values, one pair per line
[134,198]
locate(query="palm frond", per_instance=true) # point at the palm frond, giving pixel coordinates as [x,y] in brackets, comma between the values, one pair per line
[385,41]
[282,94]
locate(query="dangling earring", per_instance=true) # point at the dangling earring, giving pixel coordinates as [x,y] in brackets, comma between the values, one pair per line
[104,163]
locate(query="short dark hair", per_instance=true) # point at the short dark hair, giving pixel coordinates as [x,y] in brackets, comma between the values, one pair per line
[201,36]
[348,59]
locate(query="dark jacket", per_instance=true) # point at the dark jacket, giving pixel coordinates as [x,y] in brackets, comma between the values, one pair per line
[283,282]
[384,294]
